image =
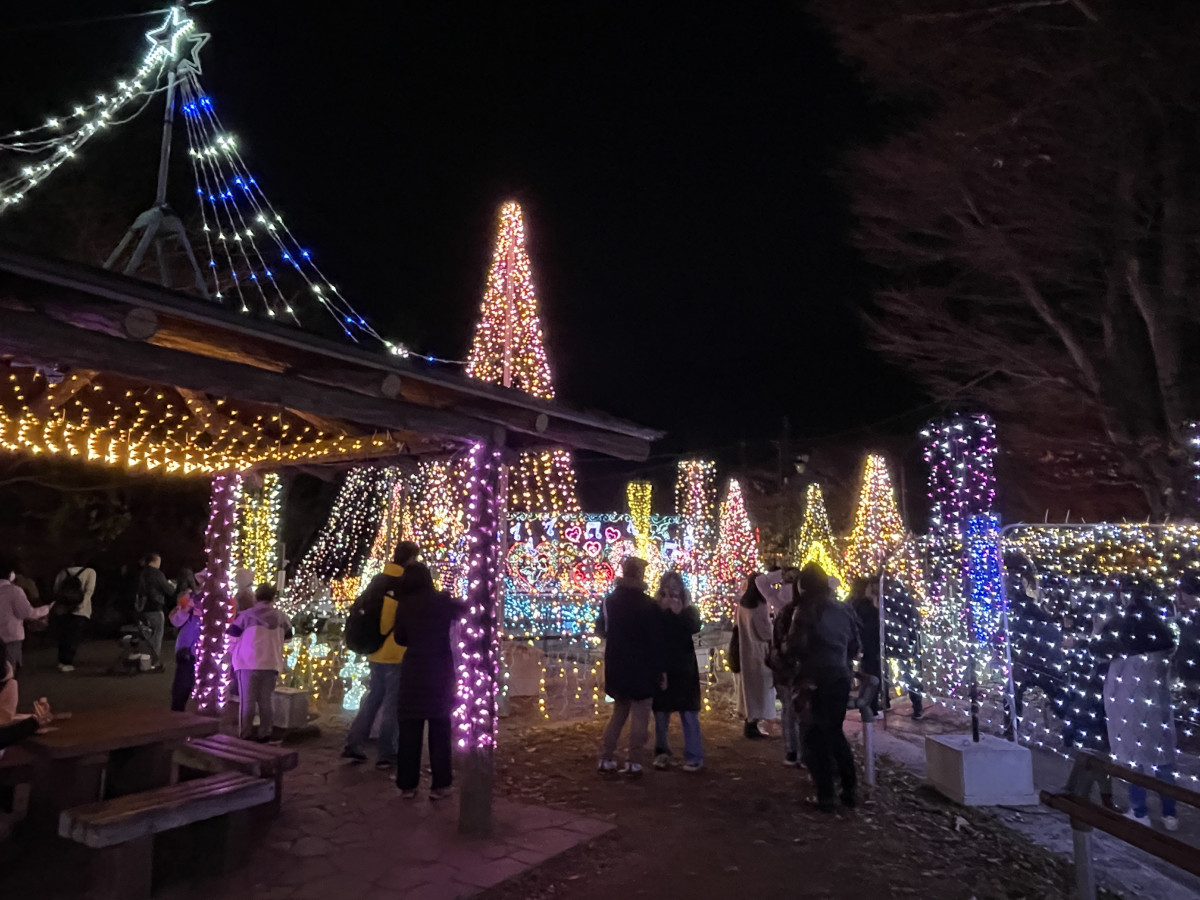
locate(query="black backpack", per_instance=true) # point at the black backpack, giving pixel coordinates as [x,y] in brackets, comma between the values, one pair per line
[362,622]
[69,594]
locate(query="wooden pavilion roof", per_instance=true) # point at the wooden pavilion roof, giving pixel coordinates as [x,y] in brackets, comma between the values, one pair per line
[199,376]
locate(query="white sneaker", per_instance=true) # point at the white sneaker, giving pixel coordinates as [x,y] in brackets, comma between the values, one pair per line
[693,767]
[631,769]
[662,761]
[1170,823]
[607,765]
[1141,820]
[65,668]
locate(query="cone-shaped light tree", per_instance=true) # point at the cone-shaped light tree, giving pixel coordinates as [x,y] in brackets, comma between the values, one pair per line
[878,530]
[816,542]
[509,350]
[736,556]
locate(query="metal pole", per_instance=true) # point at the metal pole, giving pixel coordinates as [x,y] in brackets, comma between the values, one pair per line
[1085,873]
[164,152]
[869,747]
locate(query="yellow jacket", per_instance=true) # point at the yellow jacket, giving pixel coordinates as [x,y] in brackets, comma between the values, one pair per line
[390,652]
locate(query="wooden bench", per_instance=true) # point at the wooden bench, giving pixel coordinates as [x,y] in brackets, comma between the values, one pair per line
[222,753]
[16,774]
[122,830]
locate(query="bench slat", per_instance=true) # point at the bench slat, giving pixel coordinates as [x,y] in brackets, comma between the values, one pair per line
[288,758]
[125,819]
[246,755]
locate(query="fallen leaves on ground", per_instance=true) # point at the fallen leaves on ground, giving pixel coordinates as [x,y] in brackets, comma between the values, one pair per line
[746,826]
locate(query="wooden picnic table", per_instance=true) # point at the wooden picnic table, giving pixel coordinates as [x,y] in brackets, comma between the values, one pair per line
[93,756]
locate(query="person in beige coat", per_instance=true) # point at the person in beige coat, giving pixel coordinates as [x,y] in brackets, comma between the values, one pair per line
[756,685]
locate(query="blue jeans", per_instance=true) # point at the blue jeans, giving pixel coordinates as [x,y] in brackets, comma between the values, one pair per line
[787,715]
[693,746]
[1137,795]
[383,691]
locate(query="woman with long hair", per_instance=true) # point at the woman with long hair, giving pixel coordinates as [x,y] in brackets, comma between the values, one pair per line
[424,617]
[756,684]
[681,693]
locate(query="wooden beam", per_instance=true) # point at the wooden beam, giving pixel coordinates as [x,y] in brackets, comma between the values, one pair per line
[537,423]
[36,337]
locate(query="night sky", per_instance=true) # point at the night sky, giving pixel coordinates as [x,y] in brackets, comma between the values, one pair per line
[690,248]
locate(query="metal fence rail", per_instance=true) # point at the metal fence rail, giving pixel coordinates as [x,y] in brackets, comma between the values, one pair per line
[1091,770]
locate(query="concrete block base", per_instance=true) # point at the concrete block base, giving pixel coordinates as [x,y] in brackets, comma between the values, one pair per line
[993,772]
[290,707]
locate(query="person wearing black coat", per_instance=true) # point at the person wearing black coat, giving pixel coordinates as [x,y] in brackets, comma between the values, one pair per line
[680,621]
[631,625]
[864,599]
[424,618]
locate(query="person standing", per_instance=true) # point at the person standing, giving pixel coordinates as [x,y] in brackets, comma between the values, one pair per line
[864,600]
[154,595]
[243,580]
[827,631]
[631,625]
[259,634]
[73,589]
[680,621]
[15,610]
[902,642]
[186,618]
[784,664]
[1137,698]
[384,688]
[756,690]
[425,696]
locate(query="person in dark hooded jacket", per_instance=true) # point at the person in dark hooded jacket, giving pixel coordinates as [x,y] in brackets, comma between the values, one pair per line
[681,694]
[631,625]
[425,696]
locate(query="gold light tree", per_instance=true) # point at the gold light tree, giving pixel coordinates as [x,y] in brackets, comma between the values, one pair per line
[878,529]
[509,350]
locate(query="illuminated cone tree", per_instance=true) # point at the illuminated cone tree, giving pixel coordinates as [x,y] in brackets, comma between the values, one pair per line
[736,556]
[816,542]
[509,350]
[878,530]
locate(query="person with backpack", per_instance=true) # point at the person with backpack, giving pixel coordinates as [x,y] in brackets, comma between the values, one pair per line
[73,589]
[370,630]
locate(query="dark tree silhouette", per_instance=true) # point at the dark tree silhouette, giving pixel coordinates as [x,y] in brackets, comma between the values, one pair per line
[1033,215]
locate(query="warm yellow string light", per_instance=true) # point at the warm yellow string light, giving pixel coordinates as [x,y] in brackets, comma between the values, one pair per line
[878,530]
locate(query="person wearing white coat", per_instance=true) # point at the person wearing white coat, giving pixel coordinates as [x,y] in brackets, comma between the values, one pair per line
[756,686]
[1137,700]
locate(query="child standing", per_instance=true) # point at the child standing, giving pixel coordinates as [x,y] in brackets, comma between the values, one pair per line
[259,634]
[185,618]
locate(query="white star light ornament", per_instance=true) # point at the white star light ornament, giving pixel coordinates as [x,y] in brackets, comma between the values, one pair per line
[176,39]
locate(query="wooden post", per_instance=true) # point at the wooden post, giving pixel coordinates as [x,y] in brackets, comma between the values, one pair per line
[479,680]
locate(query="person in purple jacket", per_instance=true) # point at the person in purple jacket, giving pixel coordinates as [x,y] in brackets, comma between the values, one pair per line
[186,617]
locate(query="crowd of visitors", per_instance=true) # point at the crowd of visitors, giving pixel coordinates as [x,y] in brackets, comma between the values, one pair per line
[795,649]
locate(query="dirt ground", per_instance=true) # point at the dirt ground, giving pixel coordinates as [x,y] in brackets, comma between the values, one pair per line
[747,826]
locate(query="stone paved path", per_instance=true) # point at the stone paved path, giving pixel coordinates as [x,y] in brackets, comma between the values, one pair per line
[345,831]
